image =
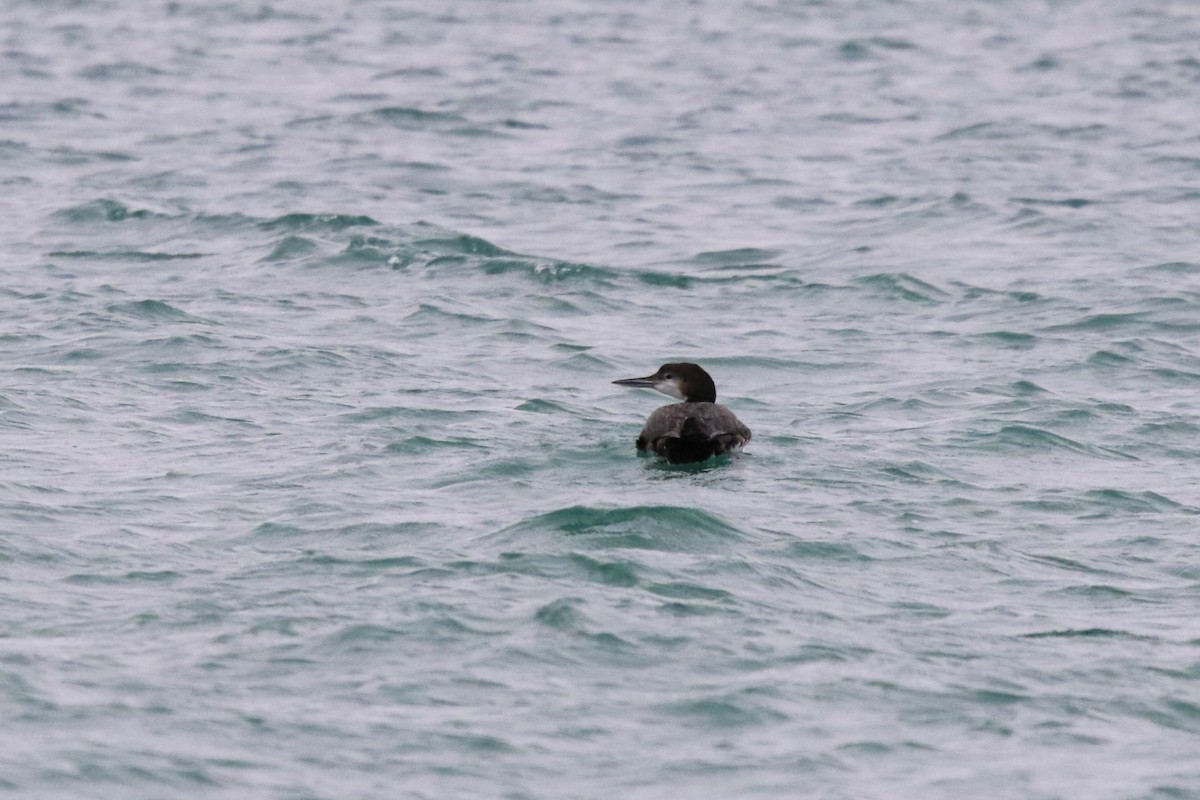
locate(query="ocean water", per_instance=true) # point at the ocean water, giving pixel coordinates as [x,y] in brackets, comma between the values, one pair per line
[314,484]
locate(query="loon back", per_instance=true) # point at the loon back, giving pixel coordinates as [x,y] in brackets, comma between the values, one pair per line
[685,433]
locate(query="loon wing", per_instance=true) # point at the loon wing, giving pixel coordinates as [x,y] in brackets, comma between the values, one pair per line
[687,432]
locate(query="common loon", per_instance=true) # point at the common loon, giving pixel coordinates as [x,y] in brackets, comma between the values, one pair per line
[695,429]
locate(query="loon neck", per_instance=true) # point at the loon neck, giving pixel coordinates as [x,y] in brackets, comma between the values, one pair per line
[695,384]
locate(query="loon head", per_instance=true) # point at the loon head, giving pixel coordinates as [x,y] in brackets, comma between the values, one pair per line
[687,382]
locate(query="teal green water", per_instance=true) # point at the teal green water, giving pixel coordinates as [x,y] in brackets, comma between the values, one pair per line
[314,484]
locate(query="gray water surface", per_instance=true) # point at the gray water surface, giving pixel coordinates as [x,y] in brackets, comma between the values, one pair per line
[313,483]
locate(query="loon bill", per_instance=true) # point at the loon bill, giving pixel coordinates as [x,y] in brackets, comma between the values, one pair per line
[691,431]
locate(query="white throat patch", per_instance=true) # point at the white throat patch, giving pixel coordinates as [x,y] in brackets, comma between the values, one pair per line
[669,388]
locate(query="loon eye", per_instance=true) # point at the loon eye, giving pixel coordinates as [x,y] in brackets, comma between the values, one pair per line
[669,376]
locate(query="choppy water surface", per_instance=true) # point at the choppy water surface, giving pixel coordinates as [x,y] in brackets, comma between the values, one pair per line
[314,484]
